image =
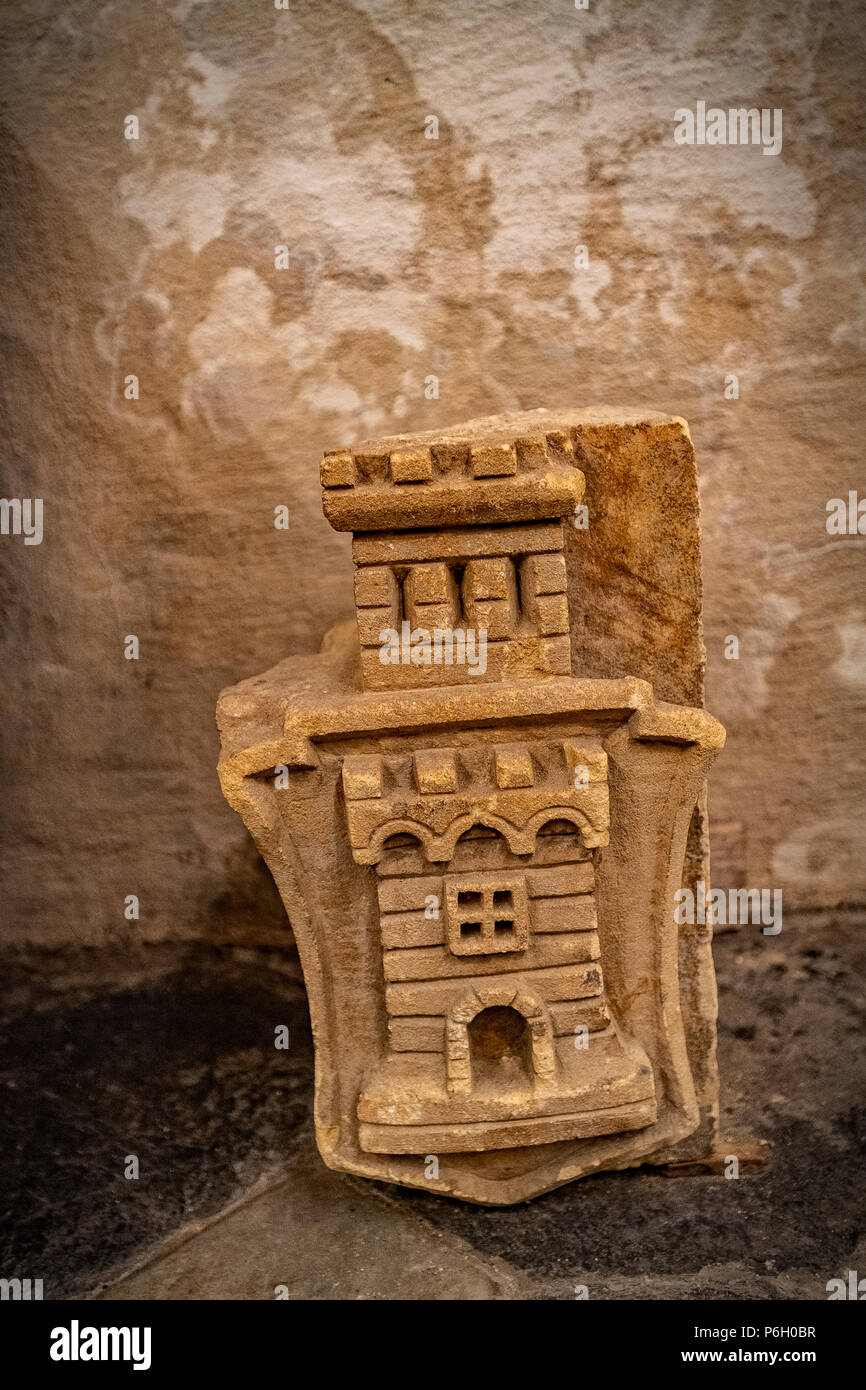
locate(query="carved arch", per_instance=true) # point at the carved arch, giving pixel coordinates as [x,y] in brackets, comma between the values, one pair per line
[581,822]
[458,1067]
[440,848]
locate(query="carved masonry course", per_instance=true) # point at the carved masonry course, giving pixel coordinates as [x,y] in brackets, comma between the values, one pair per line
[479,858]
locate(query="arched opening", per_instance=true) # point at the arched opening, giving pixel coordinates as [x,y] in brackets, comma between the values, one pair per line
[558,827]
[403,839]
[500,1050]
[481,847]
[402,852]
[561,838]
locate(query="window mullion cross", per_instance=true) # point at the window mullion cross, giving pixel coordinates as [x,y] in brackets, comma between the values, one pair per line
[488,915]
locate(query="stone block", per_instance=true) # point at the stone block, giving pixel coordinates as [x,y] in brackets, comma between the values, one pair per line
[480,860]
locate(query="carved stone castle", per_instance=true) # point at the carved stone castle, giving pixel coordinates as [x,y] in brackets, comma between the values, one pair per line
[479,859]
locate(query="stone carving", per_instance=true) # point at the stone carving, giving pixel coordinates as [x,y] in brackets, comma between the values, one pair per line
[479,799]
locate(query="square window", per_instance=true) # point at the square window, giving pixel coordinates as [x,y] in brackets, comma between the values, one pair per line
[486,913]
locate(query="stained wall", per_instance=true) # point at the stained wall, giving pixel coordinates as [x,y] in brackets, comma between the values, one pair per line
[408,258]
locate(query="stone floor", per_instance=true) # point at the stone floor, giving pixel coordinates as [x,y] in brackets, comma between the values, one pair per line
[171,1059]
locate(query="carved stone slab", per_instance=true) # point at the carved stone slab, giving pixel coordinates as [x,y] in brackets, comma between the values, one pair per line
[479,850]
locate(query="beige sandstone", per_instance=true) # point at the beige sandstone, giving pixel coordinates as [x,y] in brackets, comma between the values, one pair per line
[479,857]
[407,256]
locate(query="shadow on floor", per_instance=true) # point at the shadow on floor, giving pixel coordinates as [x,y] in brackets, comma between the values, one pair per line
[181,1072]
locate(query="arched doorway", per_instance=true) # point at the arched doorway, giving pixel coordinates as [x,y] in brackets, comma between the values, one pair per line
[497,1048]
[500,1050]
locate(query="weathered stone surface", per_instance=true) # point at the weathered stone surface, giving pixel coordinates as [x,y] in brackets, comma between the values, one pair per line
[407,257]
[436,931]
[210,1103]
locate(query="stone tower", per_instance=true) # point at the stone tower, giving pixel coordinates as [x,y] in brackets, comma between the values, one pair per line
[488,811]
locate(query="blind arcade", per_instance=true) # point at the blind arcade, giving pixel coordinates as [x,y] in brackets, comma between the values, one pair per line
[480,866]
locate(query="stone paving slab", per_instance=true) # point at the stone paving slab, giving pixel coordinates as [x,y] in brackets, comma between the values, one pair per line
[320,1236]
[232,1198]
